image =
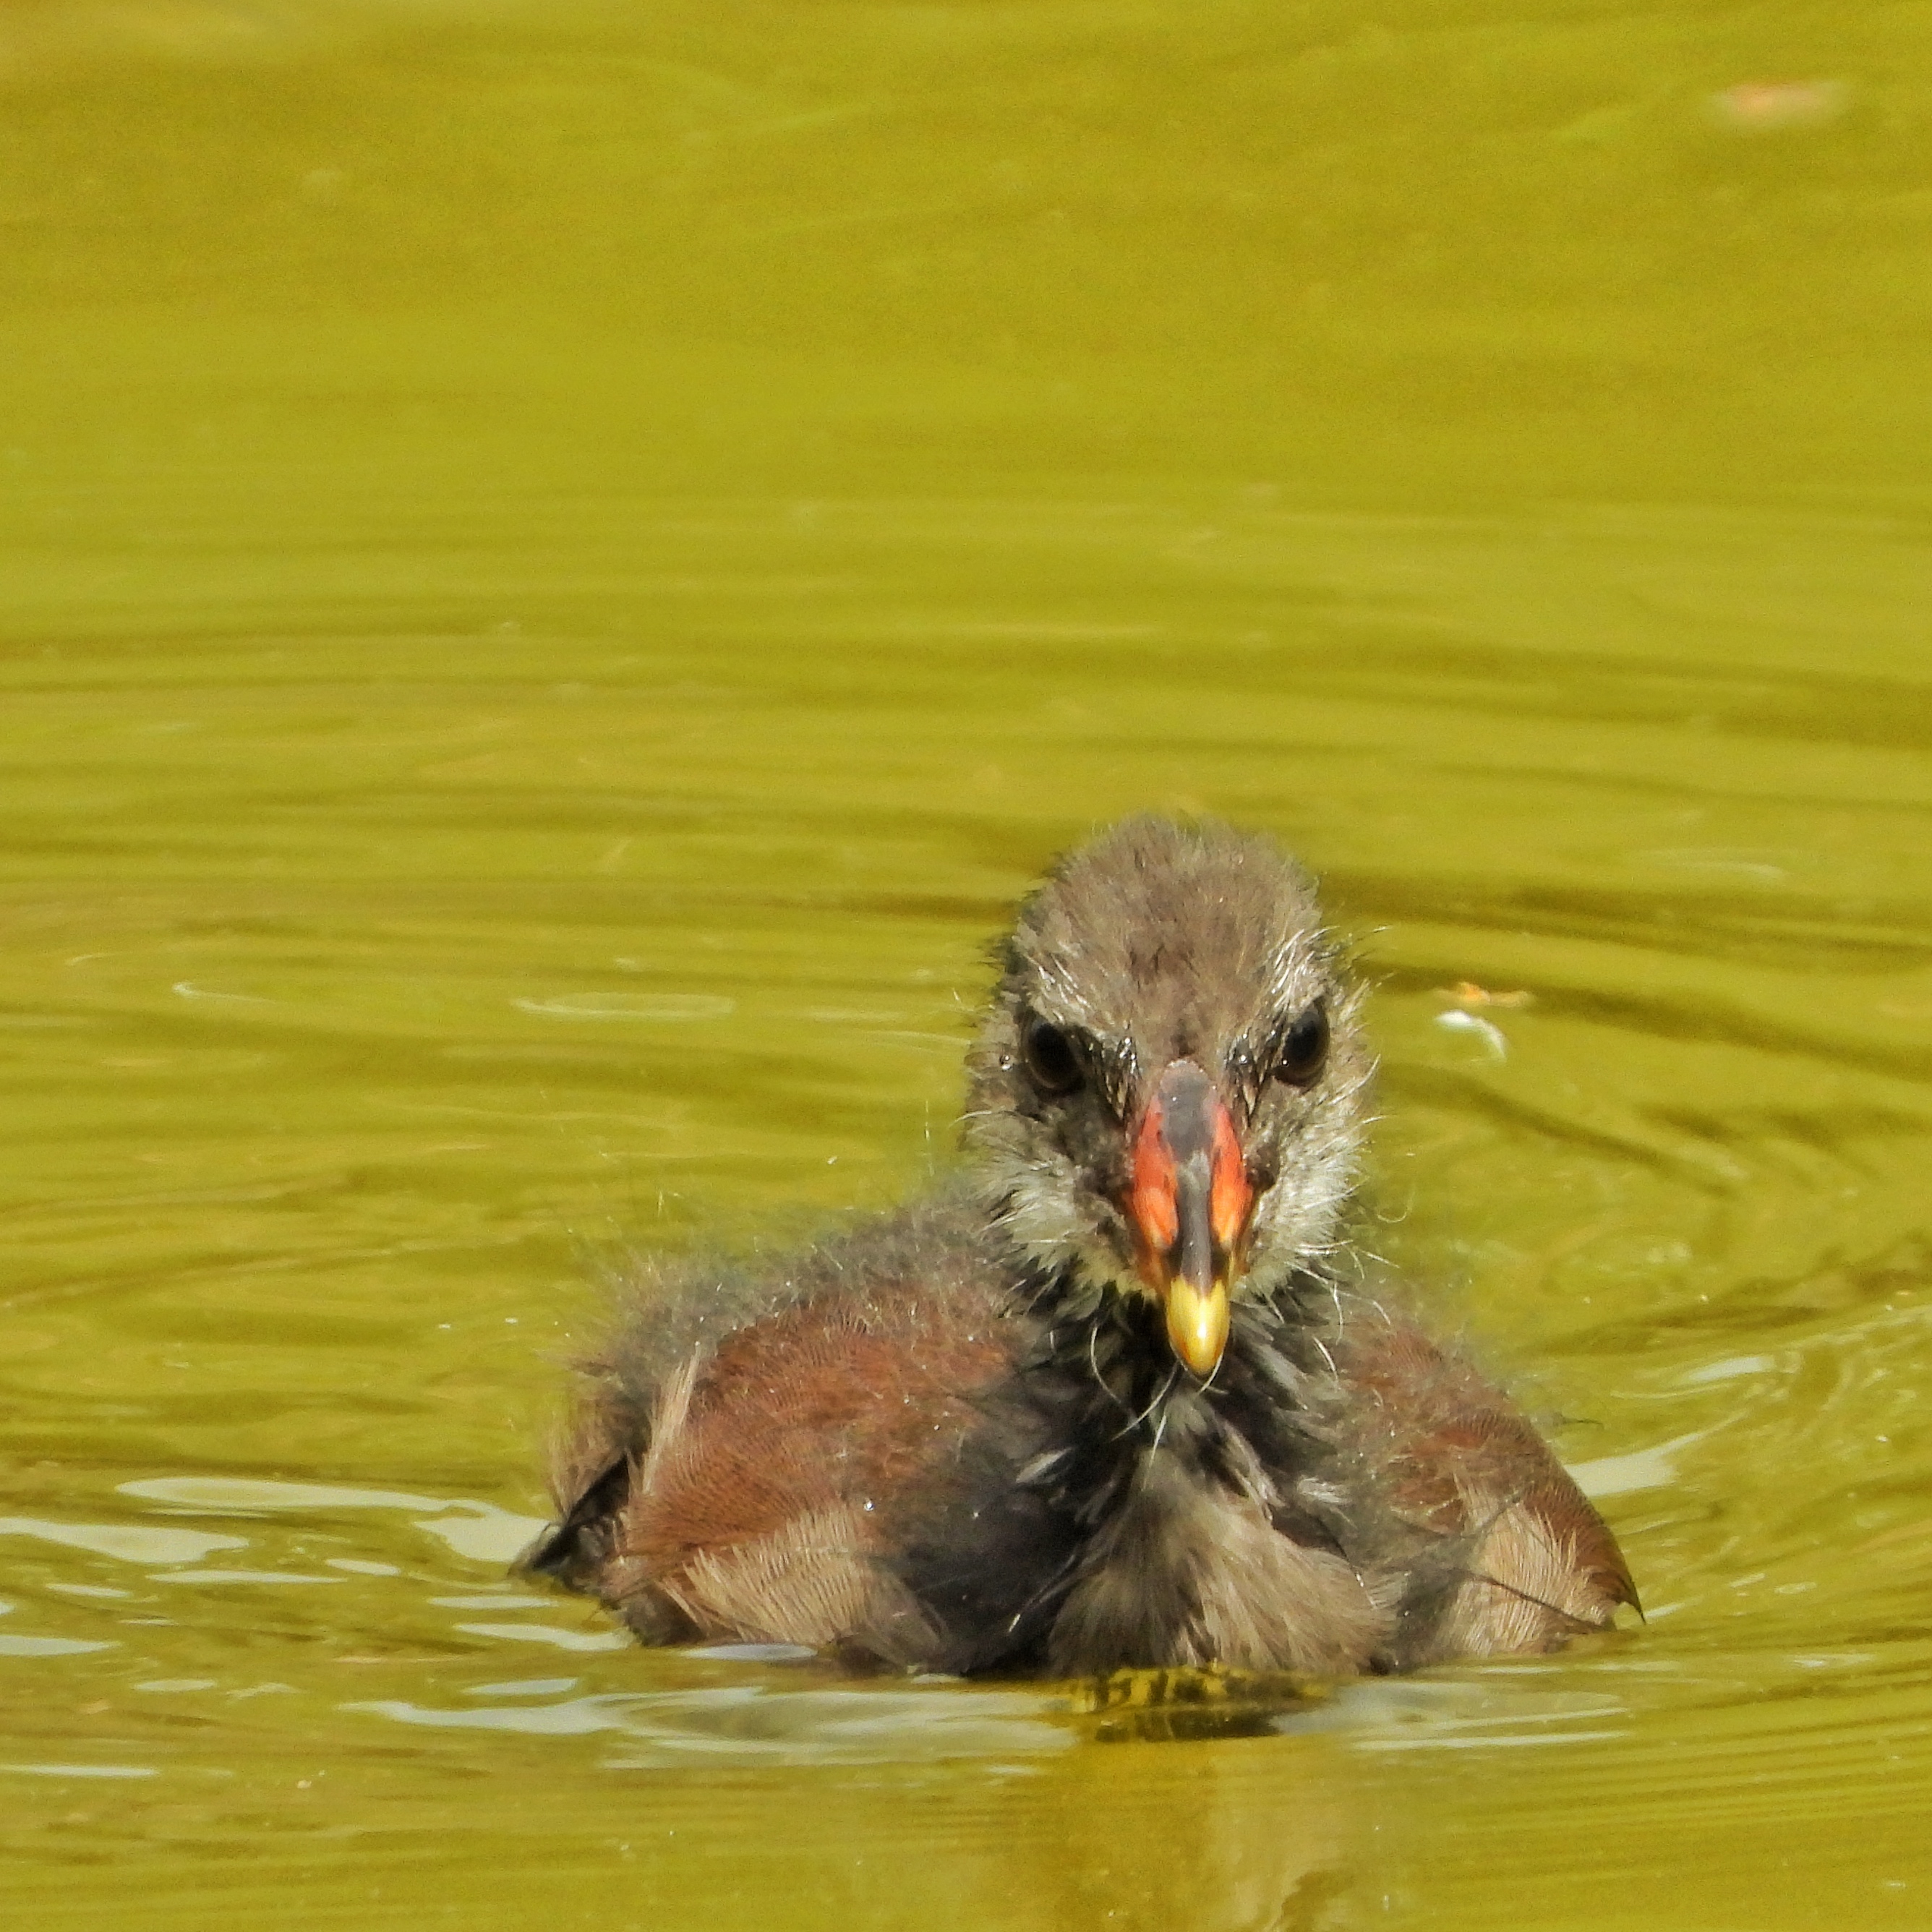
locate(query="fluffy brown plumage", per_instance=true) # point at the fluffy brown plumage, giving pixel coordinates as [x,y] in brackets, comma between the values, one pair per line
[1109,1399]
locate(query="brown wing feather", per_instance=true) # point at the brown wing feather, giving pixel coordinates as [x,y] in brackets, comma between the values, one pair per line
[810,1408]
[804,1480]
[1521,1560]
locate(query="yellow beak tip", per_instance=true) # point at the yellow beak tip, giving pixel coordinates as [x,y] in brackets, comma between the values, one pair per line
[1197,1325]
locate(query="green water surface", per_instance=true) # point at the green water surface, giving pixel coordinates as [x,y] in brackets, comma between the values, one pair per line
[561,569]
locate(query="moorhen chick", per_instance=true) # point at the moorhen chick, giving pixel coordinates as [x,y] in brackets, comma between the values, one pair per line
[1116,1396]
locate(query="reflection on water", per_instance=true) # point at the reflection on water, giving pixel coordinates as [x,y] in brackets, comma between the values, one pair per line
[562,571]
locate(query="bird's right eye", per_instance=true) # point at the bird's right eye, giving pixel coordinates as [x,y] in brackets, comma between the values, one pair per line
[1051,1059]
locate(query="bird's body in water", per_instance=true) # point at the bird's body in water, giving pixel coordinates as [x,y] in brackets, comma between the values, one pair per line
[1116,1396]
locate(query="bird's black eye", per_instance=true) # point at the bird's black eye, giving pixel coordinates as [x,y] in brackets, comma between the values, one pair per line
[1303,1049]
[1051,1059]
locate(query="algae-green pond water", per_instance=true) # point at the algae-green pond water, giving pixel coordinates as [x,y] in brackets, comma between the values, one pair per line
[561,568]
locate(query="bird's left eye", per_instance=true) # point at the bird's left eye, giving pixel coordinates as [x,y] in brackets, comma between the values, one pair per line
[1052,1061]
[1303,1050]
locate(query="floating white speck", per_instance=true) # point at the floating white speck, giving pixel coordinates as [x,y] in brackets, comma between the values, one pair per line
[1490,1034]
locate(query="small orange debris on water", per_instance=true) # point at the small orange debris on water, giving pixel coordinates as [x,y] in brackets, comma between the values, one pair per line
[1467,993]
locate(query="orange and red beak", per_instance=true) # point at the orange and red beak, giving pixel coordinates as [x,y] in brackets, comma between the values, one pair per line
[1190,1201]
